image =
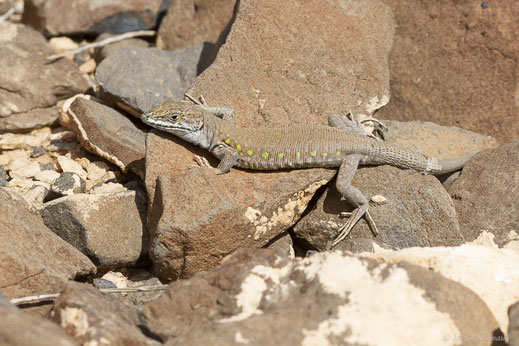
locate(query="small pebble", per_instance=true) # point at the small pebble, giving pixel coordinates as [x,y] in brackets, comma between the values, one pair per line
[379,199]
[37,152]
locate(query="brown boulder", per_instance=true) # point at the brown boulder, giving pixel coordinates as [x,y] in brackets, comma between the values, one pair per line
[456,63]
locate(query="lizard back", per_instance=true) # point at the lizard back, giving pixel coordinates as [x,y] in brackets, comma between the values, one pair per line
[313,145]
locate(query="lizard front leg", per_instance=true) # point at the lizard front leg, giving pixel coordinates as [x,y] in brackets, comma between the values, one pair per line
[353,196]
[223,112]
[227,155]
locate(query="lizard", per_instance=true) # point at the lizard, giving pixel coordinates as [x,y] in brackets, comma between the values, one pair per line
[343,143]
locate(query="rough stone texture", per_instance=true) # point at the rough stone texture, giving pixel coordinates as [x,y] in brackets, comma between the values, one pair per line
[93,318]
[109,228]
[513,327]
[31,86]
[431,139]
[196,217]
[418,211]
[33,260]
[135,278]
[91,16]
[139,79]
[456,63]
[109,134]
[277,67]
[19,328]
[190,22]
[485,195]
[67,184]
[490,272]
[3,176]
[100,53]
[257,297]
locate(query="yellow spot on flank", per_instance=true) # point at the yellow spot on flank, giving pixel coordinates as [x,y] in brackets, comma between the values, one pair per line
[238,147]
[265,155]
[281,155]
[228,141]
[245,164]
[250,152]
[338,153]
[313,153]
[276,167]
[325,154]
[298,154]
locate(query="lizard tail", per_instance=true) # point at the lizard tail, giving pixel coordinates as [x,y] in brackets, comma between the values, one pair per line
[410,159]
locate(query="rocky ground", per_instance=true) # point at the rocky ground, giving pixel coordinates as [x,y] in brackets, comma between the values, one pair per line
[135,245]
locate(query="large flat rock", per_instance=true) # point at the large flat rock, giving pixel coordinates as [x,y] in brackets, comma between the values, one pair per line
[455,63]
[258,297]
[197,218]
[486,193]
[281,63]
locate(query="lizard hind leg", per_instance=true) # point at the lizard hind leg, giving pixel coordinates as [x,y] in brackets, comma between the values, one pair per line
[353,196]
[348,123]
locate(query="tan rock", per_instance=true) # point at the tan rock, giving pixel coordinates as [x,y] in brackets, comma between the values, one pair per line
[96,170]
[88,66]
[26,171]
[63,44]
[492,273]
[68,165]
[47,176]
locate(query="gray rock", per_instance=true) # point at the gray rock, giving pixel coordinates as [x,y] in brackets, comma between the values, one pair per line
[109,134]
[418,212]
[92,17]
[109,228]
[33,260]
[26,99]
[485,194]
[260,297]
[513,327]
[110,321]
[100,53]
[68,183]
[37,152]
[140,79]
[3,176]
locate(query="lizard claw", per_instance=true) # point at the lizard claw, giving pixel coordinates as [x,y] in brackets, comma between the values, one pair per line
[202,162]
[352,221]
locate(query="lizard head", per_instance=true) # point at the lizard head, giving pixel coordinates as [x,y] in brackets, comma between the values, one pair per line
[180,118]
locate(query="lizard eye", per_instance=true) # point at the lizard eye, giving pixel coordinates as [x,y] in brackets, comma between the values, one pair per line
[173,117]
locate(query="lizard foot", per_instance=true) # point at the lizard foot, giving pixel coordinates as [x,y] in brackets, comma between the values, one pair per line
[352,221]
[202,162]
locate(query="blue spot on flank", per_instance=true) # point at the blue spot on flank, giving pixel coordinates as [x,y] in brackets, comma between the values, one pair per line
[484,5]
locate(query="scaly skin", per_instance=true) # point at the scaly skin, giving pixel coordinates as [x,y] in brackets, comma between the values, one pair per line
[291,147]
